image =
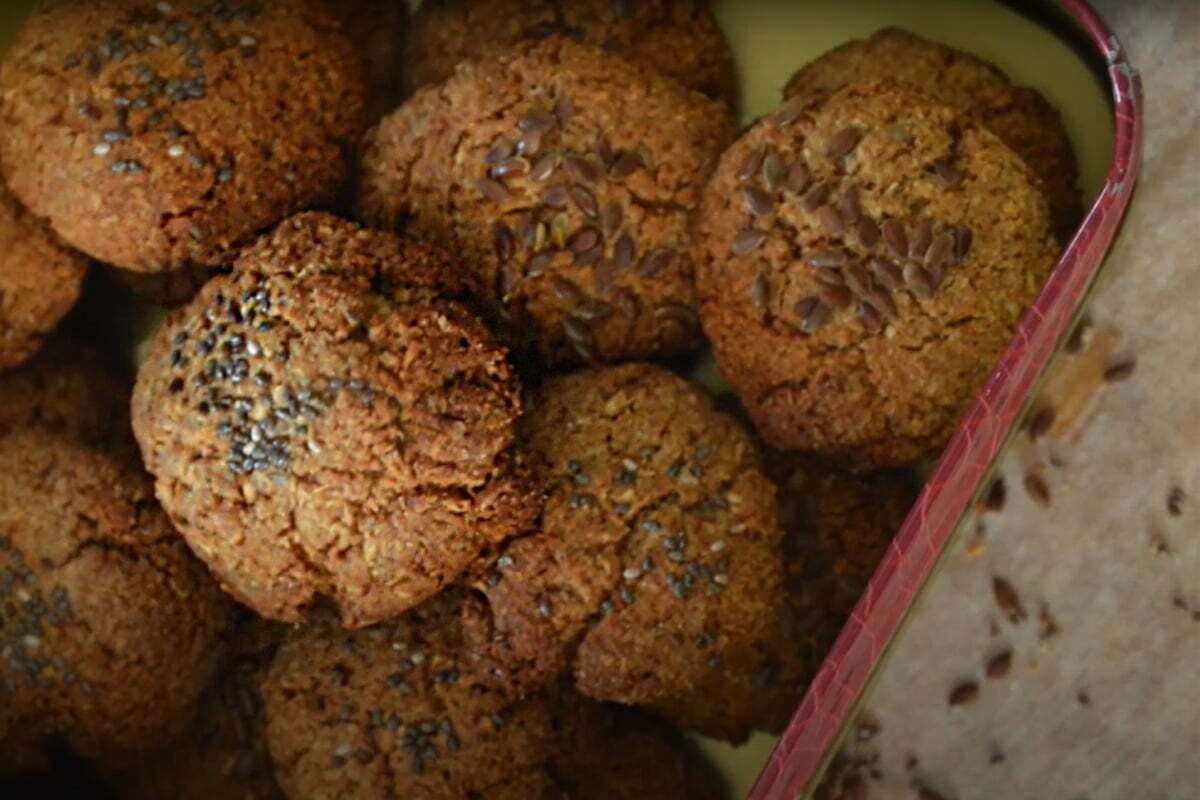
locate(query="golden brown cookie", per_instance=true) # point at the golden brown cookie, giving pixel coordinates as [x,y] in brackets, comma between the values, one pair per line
[66,390]
[863,260]
[157,135]
[391,711]
[40,279]
[224,752]
[1019,115]
[677,38]
[377,28]
[330,419]
[108,626]
[656,571]
[565,177]
[836,530]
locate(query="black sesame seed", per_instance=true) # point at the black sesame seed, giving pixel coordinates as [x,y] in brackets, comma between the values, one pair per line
[620,509]
[650,525]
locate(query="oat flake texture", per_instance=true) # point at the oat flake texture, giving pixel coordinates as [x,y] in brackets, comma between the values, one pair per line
[330,419]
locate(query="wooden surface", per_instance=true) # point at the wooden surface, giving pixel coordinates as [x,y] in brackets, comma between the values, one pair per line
[1098,534]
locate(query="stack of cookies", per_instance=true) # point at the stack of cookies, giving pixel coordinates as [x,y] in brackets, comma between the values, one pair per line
[409,495]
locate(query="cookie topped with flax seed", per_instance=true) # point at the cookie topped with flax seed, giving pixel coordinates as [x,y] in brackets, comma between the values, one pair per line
[566,178]
[1019,115]
[862,261]
[157,135]
[331,418]
[678,38]
[656,573]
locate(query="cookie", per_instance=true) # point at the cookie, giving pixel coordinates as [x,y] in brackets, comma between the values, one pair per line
[40,280]
[676,38]
[609,752]
[108,626]
[224,752]
[1019,115]
[836,530]
[333,403]
[377,28]
[656,571]
[863,260]
[391,711]
[565,177]
[64,390]
[153,136]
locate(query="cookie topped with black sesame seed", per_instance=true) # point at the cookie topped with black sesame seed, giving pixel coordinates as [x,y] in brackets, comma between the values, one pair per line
[862,261]
[157,135]
[566,178]
[657,568]
[109,628]
[677,38]
[332,419]
[40,280]
[391,711]
[1019,115]
[394,711]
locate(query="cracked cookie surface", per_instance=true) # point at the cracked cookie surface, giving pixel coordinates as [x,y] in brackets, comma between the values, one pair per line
[331,419]
[394,711]
[862,261]
[1019,115]
[677,38]
[656,572]
[40,280]
[565,177]
[109,628]
[154,136]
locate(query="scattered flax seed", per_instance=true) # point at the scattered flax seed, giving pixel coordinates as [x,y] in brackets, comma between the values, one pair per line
[1000,665]
[1120,370]
[1040,422]
[1036,486]
[964,694]
[1048,625]
[1175,501]
[993,500]
[925,793]
[1008,600]
[1084,698]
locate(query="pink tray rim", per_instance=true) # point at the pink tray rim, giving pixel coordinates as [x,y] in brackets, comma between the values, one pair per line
[914,551]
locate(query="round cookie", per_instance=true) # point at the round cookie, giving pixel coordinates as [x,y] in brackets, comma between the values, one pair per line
[64,390]
[154,136]
[1019,115]
[676,38]
[391,711]
[656,572]
[836,530]
[566,177]
[109,629]
[862,262]
[330,419]
[40,280]
[224,753]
